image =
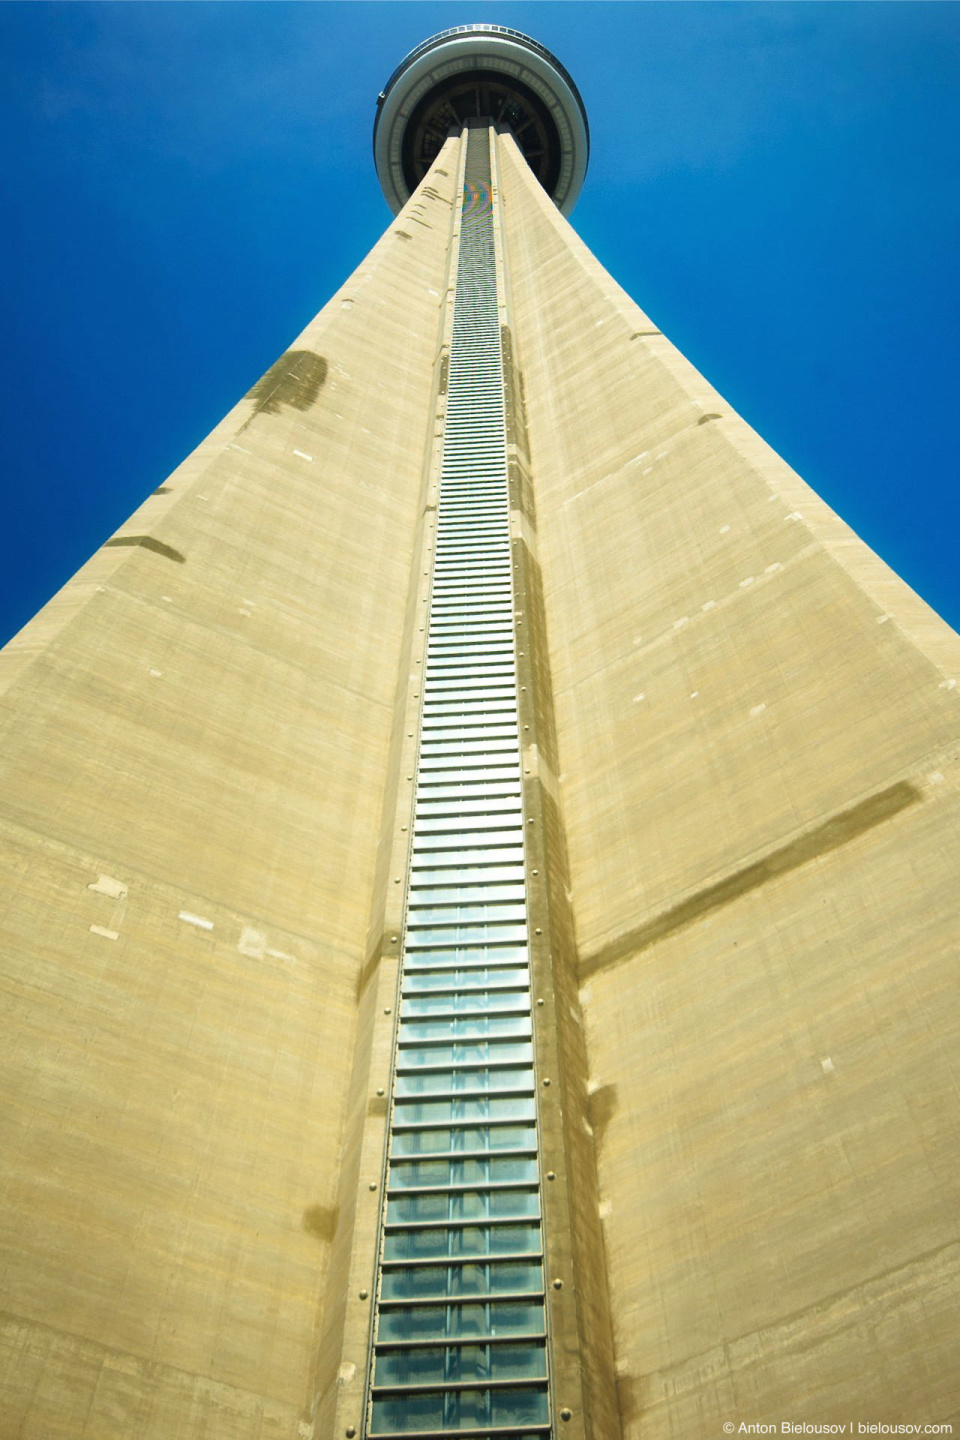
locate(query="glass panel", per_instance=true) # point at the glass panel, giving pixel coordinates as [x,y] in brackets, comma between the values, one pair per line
[449,779]
[437,956]
[489,1277]
[413,1366]
[465,980]
[468,734]
[465,1027]
[491,660]
[462,749]
[477,639]
[464,860]
[443,1322]
[465,935]
[431,838]
[465,914]
[475,1137]
[456,1110]
[481,1170]
[405,1414]
[488,1001]
[440,1082]
[500,700]
[518,1407]
[480,1053]
[448,894]
[464,1205]
[466,1240]
[507,789]
[471,809]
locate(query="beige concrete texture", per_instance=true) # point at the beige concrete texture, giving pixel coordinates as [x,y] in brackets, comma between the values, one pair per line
[195,752]
[757,734]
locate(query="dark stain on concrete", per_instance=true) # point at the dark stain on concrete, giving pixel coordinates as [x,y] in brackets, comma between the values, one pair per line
[296,379]
[402,235]
[628,1401]
[163,490]
[644,334]
[711,416]
[601,1108]
[839,830]
[370,967]
[148,543]
[321,1221]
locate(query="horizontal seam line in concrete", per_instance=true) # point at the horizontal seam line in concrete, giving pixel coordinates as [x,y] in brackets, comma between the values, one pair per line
[149,875]
[822,1303]
[241,640]
[584,677]
[7,1316]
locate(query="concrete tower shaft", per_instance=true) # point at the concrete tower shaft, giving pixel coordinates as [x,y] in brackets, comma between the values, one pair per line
[474,71]
[479,937]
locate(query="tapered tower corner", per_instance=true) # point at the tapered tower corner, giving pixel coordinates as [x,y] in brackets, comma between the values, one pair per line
[474,71]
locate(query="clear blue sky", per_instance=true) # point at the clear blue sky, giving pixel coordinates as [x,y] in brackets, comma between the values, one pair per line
[185,184]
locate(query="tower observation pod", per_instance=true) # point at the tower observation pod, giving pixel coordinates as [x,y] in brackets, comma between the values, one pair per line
[474,71]
[481,859]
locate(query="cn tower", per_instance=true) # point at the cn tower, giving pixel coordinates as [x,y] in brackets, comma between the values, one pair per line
[481,875]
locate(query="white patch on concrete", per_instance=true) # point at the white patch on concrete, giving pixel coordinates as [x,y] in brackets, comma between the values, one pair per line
[662,454]
[168,598]
[252,942]
[746,582]
[724,529]
[234,446]
[347,1373]
[242,610]
[348,304]
[604,1209]
[772,569]
[827,1065]
[106,885]
[758,710]
[709,605]
[197,920]
[882,619]
[694,694]
[948,684]
[303,455]
[935,777]
[637,639]
[641,696]
[107,934]
[794,515]
[282,955]
[684,620]
[157,674]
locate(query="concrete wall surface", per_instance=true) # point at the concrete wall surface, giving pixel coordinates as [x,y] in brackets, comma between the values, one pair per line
[195,741]
[758,733]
